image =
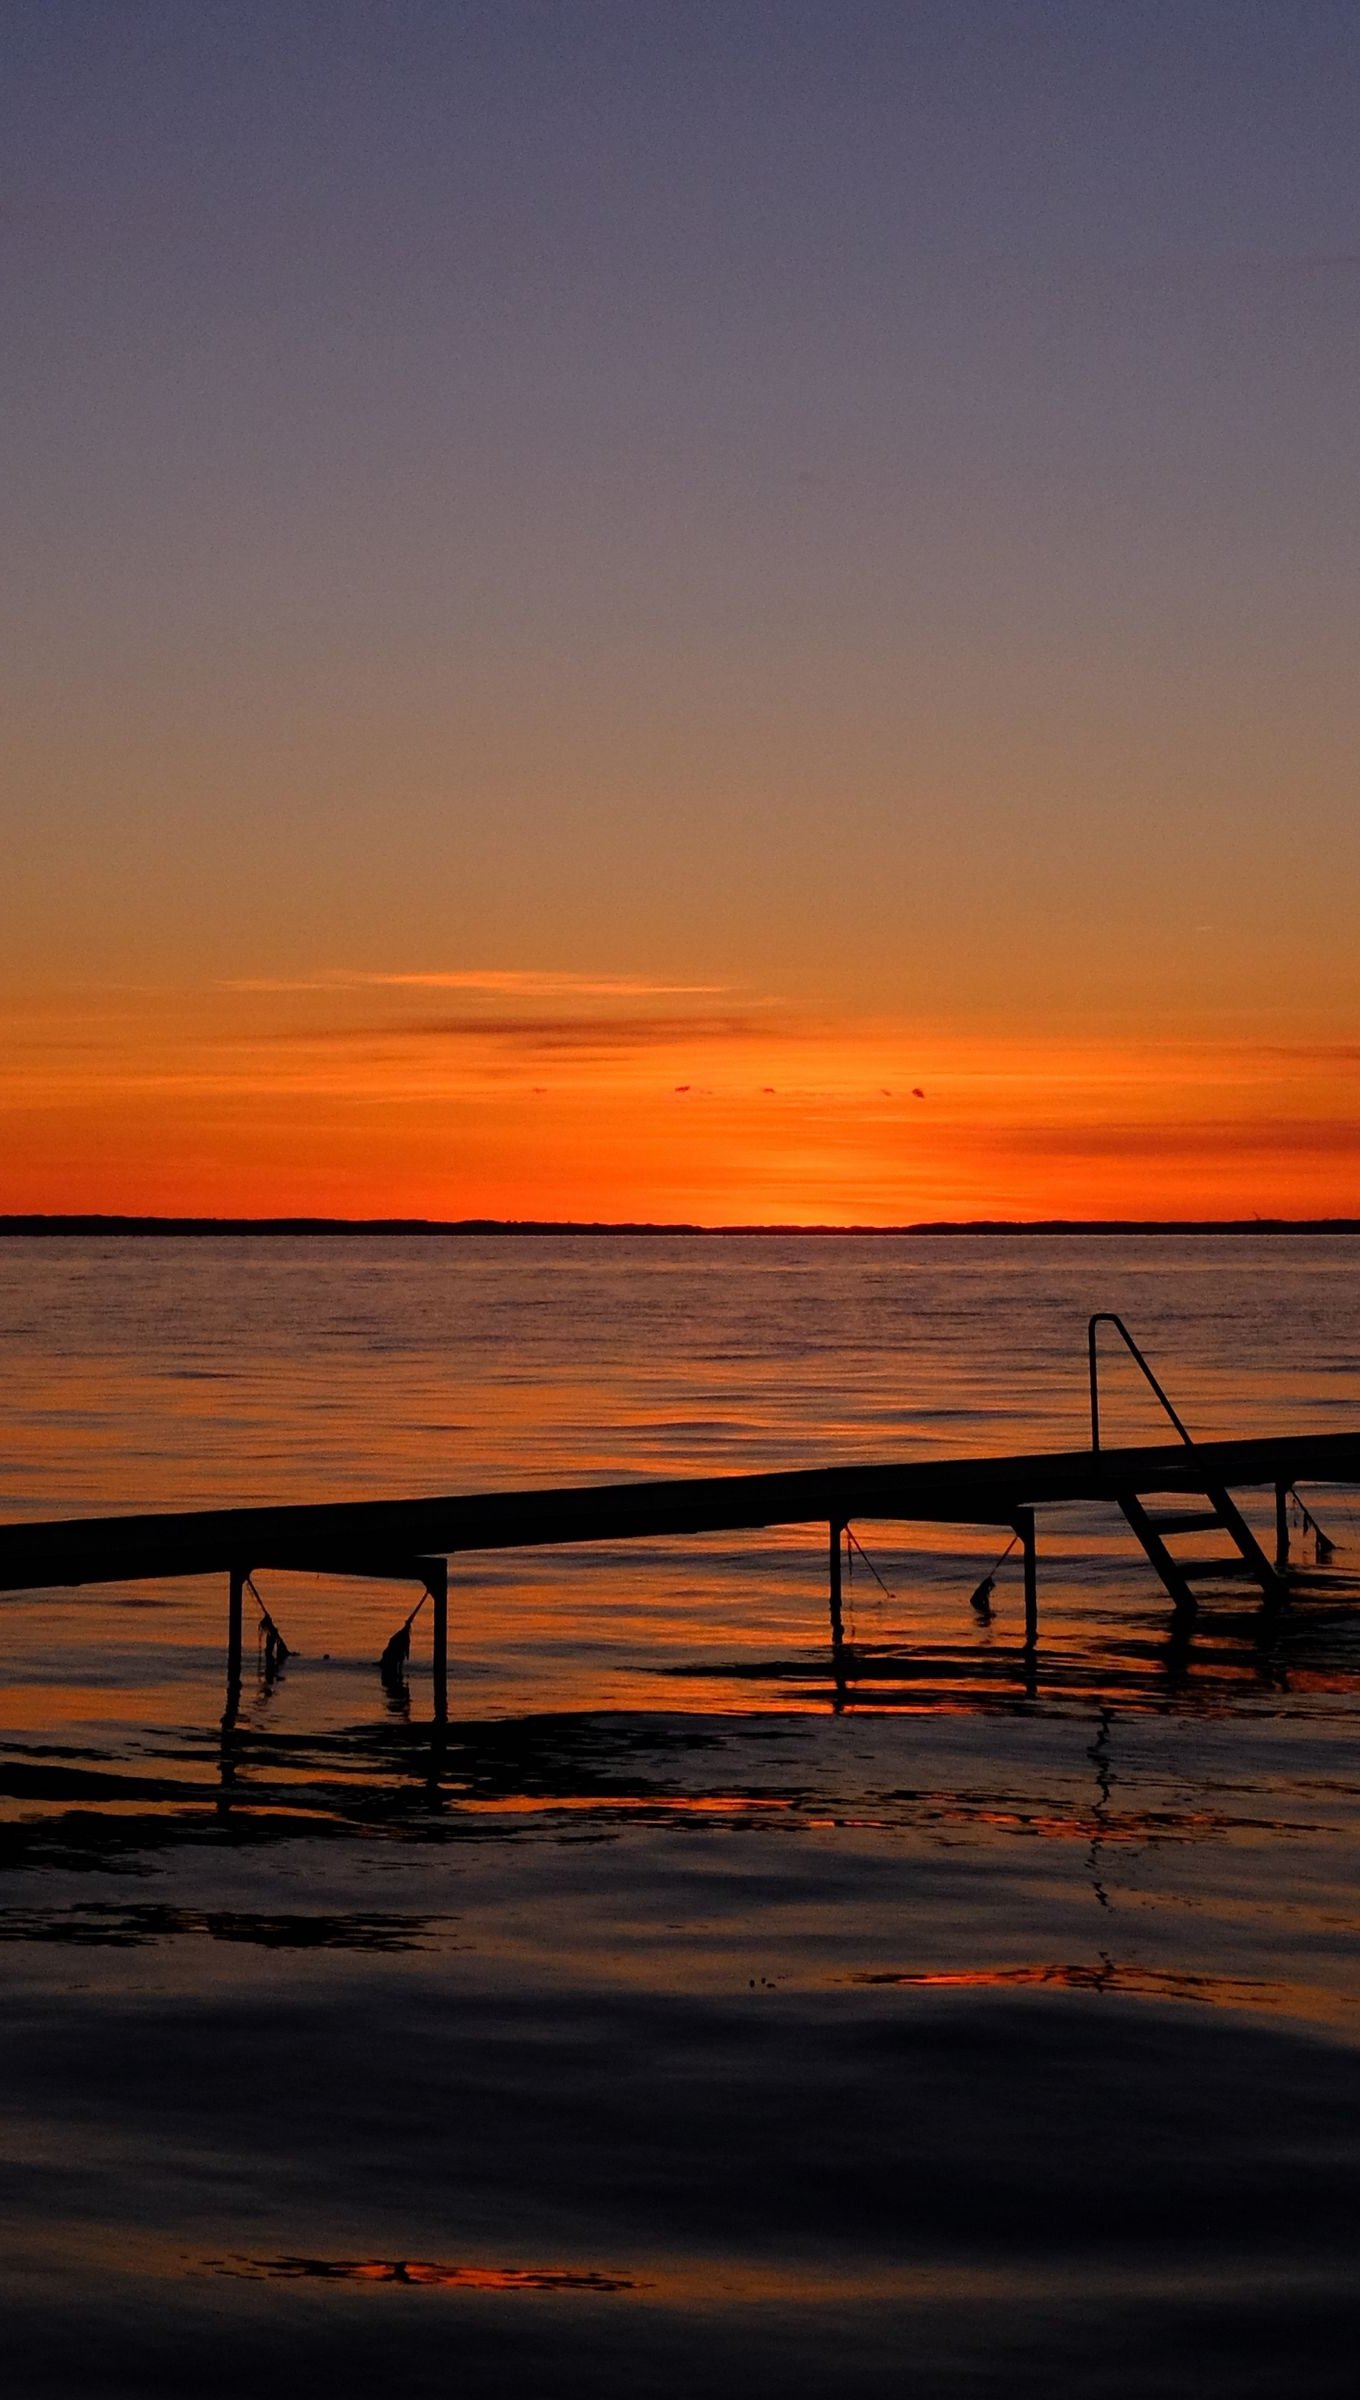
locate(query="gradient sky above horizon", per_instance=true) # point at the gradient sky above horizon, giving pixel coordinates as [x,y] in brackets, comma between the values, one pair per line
[599,595]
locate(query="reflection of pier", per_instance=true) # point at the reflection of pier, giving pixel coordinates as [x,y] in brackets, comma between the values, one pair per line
[413,1539]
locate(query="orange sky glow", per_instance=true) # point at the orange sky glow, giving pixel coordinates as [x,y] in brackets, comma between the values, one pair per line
[524,1093]
[566,674]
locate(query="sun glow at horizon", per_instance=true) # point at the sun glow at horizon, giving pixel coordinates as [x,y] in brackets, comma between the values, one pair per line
[521,1094]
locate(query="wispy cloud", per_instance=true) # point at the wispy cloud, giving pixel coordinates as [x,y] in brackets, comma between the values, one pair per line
[527,983]
[580,1034]
[1313,1054]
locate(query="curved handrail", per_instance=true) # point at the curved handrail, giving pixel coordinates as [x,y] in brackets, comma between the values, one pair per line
[1106,1316]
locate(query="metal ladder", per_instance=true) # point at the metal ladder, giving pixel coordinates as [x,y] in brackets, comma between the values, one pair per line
[1218,1511]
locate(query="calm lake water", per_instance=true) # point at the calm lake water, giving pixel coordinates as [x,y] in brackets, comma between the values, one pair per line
[675,2024]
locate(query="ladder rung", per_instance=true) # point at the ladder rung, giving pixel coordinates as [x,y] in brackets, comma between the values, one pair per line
[1185,1520]
[1236,1565]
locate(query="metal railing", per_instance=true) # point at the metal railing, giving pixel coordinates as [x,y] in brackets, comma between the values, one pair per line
[1106,1316]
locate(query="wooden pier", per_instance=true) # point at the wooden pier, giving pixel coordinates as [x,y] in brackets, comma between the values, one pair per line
[414,1540]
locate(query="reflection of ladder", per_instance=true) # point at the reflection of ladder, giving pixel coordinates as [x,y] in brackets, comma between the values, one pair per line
[1217,1513]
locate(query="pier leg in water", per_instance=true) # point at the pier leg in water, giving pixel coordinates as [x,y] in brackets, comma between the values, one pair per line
[1281,1526]
[837,1535]
[437,1585]
[1024,1526]
[237,1579]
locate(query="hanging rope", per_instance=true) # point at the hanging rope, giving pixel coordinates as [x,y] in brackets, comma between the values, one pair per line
[274,1649]
[855,1544]
[1324,1548]
[980,1597]
[392,1664]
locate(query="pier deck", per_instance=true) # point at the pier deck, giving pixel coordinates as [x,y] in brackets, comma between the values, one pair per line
[415,1539]
[378,1537]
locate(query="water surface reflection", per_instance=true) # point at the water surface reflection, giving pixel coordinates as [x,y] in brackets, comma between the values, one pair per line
[672,2015]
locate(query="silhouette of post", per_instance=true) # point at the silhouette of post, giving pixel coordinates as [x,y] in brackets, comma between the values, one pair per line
[1024,1526]
[1281,1525]
[236,1584]
[836,1531]
[437,1585]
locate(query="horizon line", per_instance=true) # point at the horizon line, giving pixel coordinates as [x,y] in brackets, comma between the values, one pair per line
[57,1225]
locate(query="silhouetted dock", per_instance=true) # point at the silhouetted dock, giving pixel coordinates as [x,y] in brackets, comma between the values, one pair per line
[415,1539]
[385,1537]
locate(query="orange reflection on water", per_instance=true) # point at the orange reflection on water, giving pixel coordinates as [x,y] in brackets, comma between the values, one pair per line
[1058,1828]
[432,2273]
[36,1707]
[1100,1975]
[712,1804]
[674,2277]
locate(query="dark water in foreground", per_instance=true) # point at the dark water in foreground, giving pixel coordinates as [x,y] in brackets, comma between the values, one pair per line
[672,2027]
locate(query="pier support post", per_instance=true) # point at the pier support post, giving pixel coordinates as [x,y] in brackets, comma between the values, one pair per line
[1281,1525]
[837,1533]
[437,1585]
[1024,1526]
[236,1584]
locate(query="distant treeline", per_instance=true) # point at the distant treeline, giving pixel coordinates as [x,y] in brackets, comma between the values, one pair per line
[235,1228]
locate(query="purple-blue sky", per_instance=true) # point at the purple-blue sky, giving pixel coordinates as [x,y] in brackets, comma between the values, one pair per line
[852,507]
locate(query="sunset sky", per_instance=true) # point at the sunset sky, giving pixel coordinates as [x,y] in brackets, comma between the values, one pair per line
[713,609]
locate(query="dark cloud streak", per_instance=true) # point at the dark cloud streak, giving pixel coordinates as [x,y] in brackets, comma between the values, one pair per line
[578,1035]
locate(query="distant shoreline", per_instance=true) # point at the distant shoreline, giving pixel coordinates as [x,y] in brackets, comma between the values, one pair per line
[250,1228]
